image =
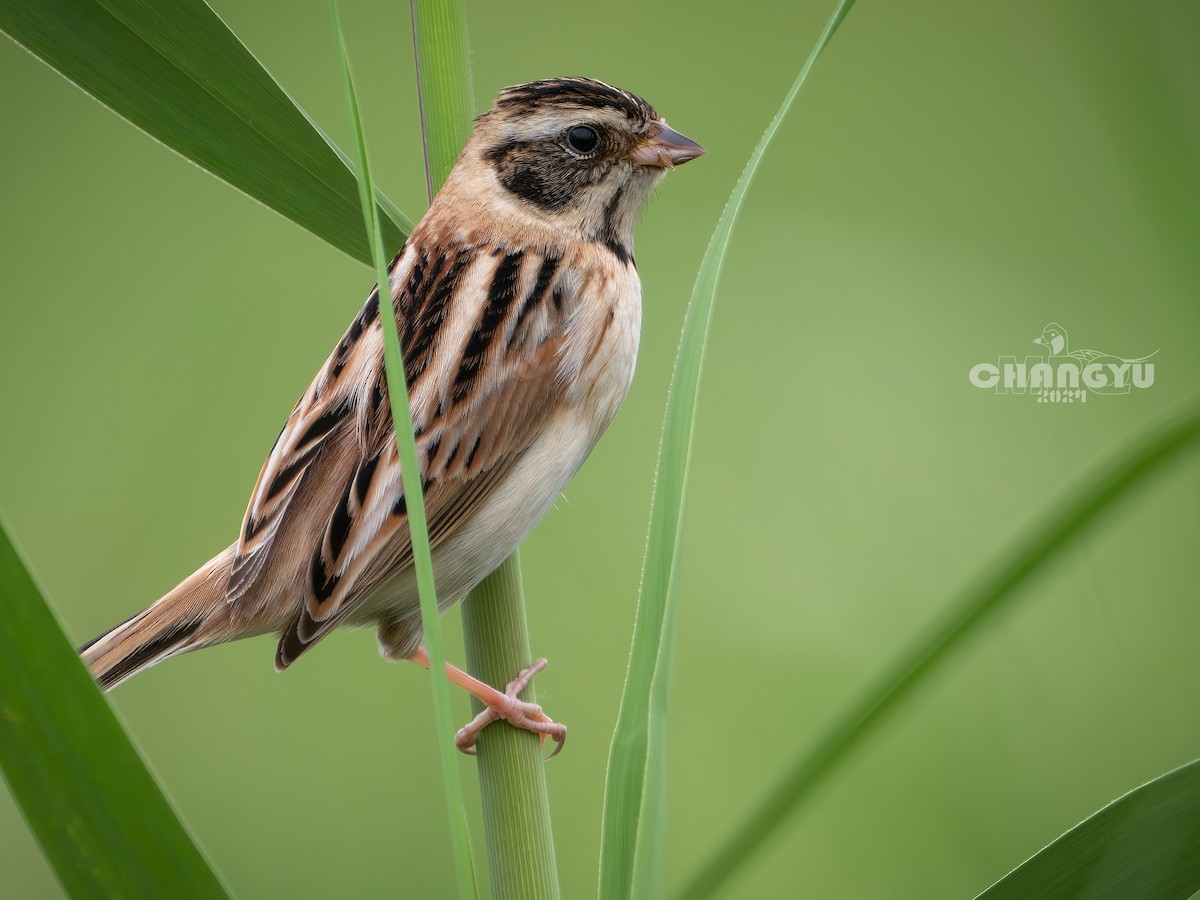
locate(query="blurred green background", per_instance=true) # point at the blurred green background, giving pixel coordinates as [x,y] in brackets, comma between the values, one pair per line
[955,176]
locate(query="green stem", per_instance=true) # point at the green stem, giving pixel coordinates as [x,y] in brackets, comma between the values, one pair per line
[516,809]
[512,776]
[443,84]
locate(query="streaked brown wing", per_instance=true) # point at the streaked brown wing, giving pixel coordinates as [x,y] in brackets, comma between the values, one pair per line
[480,392]
[324,417]
[469,451]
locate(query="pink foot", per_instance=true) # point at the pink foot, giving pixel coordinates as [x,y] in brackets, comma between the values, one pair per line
[518,713]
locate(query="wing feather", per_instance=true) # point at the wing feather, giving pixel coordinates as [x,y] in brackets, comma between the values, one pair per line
[322,418]
[472,426]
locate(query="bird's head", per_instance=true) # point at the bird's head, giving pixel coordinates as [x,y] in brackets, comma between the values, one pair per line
[1053,337]
[575,153]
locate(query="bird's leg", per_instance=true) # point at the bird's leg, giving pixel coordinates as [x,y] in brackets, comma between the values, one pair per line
[497,706]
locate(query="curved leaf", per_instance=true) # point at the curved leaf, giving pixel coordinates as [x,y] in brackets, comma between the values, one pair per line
[1070,515]
[176,71]
[98,813]
[634,830]
[1144,846]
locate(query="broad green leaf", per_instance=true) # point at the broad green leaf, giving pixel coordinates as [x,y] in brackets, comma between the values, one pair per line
[633,856]
[1069,516]
[176,71]
[413,493]
[98,813]
[1144,846]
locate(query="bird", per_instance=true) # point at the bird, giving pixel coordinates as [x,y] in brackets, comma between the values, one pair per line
[518,305]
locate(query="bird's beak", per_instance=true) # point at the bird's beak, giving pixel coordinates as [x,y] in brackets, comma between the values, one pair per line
[1041,341]
[665,150]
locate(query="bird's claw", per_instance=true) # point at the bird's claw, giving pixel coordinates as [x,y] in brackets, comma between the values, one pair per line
[518,713]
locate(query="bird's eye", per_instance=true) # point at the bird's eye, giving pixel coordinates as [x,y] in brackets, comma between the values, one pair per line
[582,138]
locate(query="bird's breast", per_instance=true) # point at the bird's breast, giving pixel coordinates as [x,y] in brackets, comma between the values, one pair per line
[603,330]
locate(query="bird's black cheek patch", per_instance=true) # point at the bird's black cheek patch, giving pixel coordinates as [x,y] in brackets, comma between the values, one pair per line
[528,184]
[536,173]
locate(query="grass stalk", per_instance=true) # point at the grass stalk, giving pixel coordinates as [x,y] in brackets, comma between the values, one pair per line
[443,58]
[516,807]
[512,775]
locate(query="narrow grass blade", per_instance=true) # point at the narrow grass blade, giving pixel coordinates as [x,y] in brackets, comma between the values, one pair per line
[1144,846]
[402,422]
[634,832]
[176,71]
[999,585]
[99,815]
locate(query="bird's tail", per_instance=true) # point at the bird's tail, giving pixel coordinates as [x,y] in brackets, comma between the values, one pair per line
[182,620]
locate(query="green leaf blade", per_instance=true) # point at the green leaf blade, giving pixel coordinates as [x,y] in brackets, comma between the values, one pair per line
[174,70]
[413,493]
[101,818]
[1145,844]
[634,831]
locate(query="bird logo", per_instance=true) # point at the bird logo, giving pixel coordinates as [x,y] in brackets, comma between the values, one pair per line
[1064,375]
[1110,373]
